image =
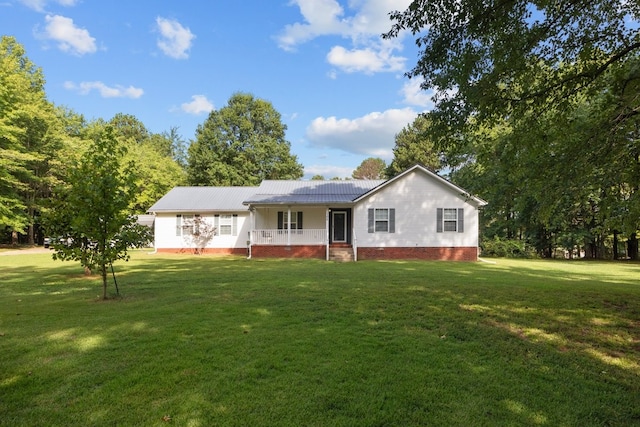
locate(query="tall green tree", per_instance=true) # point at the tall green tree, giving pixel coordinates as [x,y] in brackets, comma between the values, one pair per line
[243,143]
[414,144]
[371,168]
[170,144]
[90,215]
[31,136]
[154,155]
[129,128]
[156,174]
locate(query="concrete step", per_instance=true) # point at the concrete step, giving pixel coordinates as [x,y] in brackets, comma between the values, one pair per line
[341,254]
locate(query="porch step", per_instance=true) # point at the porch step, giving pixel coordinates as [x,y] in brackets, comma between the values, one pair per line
[341,253]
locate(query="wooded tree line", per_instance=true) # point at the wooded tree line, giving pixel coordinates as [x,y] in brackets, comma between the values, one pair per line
[40,142]
[536,111]
[41,146]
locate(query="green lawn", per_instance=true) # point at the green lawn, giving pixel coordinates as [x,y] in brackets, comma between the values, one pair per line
[203,341]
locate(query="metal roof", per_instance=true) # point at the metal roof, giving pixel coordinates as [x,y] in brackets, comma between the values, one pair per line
[310,192]
[203,199]
[276,192]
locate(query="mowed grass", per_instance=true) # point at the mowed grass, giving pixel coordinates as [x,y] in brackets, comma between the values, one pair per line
[205,341]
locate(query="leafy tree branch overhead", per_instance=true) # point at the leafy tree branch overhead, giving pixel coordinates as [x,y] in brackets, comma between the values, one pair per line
[503,57]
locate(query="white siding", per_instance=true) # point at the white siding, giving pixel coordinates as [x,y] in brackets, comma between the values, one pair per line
[415,198]
[165,232]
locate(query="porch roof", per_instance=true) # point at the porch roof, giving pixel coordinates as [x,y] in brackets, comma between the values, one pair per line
[310,192]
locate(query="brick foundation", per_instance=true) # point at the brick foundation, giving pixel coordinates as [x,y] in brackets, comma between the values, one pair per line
[319,252]
[206,251]
[283,251]
[444,254]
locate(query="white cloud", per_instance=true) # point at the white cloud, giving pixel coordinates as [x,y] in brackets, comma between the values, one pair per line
[363,26]
[322,17]
[327,171]
[105,91]
[175,40]
[372,135]
[199,104]
[327,17]
[415,95]
[70,38]
[39,5]
[368,60]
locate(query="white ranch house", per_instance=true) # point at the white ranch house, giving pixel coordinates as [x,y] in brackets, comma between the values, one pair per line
[415,215]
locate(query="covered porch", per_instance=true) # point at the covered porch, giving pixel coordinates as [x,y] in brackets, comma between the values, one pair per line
[299,231]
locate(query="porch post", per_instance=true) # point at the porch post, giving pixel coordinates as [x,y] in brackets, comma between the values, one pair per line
[252,227]
[327,231]
[288,225]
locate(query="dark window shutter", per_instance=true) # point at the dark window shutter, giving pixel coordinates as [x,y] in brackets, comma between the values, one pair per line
[439,220]
[460,220]
[280,220]
[234,226]
[299,220]
[178,225]
[371,223]
[392,220]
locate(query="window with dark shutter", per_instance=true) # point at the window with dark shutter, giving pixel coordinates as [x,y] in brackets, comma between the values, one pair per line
[449,220]
[381,220]
[234,226]
[283,220]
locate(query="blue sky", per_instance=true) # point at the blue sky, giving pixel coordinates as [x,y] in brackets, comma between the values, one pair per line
[339,87]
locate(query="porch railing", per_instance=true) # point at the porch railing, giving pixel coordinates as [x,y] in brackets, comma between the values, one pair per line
[286,237]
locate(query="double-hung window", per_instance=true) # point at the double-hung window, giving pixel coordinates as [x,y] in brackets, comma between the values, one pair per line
[283,220]
[450,220]
[382,220]
[187,225]
[226,224]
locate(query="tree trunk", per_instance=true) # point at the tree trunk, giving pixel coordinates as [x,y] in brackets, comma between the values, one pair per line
[103,271]
[31,235]
[615,244]
[590,249]
[632,247]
